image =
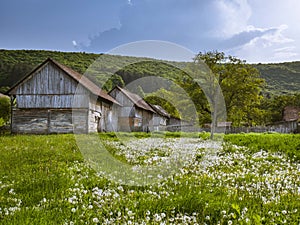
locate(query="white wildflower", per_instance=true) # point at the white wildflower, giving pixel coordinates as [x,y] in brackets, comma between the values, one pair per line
[95,220]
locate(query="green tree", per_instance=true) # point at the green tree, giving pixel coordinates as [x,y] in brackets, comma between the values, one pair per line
[195,94]
[139,91]
[115,80]
[240,84]
[160,97]
[4,89]
[274,106]
[4,110]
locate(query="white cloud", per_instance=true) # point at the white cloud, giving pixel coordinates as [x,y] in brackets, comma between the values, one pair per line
[74,43]
[272,46]
[235,15]
[291,48]
[284,55]
[223,25]
[248,41]
[271,38]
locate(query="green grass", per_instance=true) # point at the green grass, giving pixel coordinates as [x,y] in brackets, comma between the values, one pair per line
[283,143]
[34,167]
[44,180]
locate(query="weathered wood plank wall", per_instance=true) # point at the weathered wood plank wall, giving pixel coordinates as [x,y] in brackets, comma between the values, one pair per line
[49,80]
[30,121]
[131,117]
[47,121]
[51,88]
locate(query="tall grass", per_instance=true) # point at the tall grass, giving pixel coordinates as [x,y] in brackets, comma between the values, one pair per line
[273,142]
[33,168]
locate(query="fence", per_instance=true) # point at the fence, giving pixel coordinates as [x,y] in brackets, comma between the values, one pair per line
[279,127]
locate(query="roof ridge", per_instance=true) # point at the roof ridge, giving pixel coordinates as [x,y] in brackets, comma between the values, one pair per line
[80,78]
[140,102]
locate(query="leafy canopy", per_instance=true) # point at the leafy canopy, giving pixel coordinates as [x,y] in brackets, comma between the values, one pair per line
[240,84]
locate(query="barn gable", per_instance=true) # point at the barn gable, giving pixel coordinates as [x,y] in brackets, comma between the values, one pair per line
[130,98]
[50,87]
[135,114]
[55,84]
[160,118]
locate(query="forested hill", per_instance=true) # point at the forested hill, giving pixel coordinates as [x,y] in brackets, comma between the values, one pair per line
[14,64]
[281,78]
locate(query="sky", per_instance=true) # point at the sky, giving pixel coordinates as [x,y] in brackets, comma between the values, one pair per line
[252,30]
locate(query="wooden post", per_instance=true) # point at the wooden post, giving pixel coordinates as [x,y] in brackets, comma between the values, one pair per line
[49,121]
[87,121]
[11,113]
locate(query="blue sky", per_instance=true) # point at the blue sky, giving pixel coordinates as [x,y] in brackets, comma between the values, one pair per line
[254,30]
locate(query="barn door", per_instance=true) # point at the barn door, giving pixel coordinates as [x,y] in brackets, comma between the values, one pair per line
[98,122]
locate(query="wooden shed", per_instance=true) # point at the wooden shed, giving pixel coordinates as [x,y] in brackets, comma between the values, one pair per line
[55,99]
[291,113]
[160,118]
[135,114]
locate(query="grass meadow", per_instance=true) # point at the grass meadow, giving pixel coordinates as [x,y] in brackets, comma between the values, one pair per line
[246,179]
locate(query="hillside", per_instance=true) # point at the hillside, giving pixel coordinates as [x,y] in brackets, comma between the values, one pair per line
[281,78]
[14,64]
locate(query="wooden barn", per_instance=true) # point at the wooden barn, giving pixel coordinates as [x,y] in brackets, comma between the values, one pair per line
[135,114]
[160,118]
[55,99]
[291,113]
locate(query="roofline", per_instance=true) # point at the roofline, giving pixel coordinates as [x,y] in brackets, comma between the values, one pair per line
[158,111]
[121,89]
[63,68]
[66,68]
[26,76]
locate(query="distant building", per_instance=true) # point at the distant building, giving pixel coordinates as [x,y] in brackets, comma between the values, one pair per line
[174,124]
[135,114]
[290,121]
[55,99]
[221,126]
[160,118]
[291,113]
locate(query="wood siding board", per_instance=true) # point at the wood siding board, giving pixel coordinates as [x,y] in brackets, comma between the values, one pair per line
[61,80]
[114,123]
[61,121]
[43,121]
[125,124]
[50,80]
[79,118]
[52,101]
[92,127]
[30,121]
[95,114]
